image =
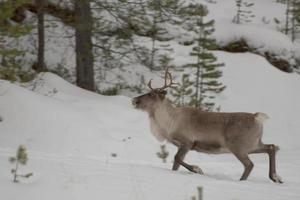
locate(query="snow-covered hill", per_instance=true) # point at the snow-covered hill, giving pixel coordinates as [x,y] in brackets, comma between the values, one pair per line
[83,145]
[262,35]
[72,134]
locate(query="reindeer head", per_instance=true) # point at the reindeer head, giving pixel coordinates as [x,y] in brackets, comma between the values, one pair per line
[156,95]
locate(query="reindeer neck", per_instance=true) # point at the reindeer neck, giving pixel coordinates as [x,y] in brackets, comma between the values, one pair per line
[163,114]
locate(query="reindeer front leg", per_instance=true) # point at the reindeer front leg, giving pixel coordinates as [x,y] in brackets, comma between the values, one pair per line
[178,160]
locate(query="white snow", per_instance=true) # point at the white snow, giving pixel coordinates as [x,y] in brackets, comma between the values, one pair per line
[258,38]
[71,133]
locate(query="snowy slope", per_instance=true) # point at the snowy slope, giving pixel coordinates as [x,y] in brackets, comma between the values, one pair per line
[65,121]
[71,133]
[259,39]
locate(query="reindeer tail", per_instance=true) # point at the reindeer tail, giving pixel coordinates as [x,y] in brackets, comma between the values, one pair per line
[261,117]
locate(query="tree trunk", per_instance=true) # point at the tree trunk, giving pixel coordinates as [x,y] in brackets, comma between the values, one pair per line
[83,48]
[66,15]
[41,36]
[153,51]
[293,20]
[238,21]
[287,17]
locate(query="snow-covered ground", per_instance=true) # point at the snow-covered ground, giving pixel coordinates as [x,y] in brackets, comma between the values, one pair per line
[72,134]
[86,146]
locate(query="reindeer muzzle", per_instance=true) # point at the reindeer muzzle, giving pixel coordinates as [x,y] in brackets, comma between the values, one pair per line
[135,102]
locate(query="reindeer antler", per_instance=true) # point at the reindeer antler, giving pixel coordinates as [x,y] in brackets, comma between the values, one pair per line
[168,75]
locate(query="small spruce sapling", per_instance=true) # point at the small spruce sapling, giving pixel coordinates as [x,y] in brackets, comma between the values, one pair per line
[20,158]
[181,92]
[244,14]
[10,53]
[205,66]
[200,194]
[163,154]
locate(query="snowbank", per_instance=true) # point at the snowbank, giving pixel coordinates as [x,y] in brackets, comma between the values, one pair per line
[61,118]
[71,135]
[259,39]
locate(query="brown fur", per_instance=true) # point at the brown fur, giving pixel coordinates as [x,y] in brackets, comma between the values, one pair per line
[209,132]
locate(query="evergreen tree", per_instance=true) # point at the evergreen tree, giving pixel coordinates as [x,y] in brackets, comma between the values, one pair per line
[160,12]
[163,154]
[116,23]
[183,91]
[207,71]
[287,17]
[111,35]
[20,158]
[10,53]
[244,14]
[292,18]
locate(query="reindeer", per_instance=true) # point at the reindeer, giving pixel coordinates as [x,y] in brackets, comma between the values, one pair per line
[208,132]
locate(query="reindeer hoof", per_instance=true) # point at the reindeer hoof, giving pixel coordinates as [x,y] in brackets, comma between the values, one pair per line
[197,169]
[276,178]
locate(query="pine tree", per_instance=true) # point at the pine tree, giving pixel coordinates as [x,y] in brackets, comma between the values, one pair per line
[183,91]
[111,35]
[295,18]
[160,12]
[10,54]
[163,154]
[20,158]
[207,71]
[287,17]
[292,18]
[244,14]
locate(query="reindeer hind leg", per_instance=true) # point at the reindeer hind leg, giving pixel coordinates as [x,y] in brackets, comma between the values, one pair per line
[270,149]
